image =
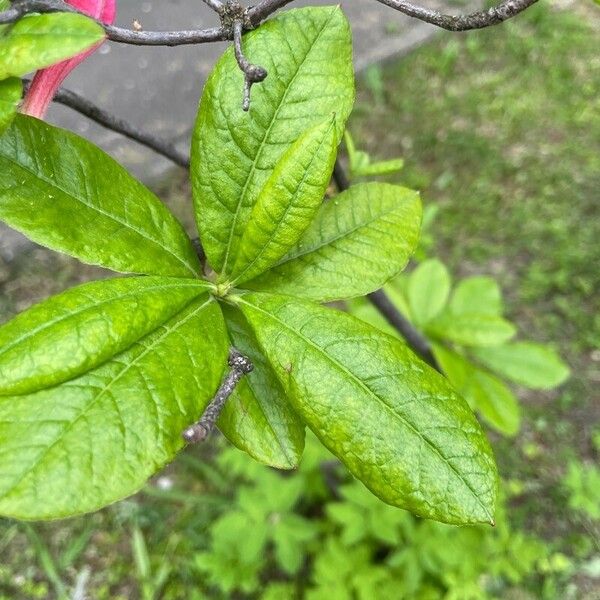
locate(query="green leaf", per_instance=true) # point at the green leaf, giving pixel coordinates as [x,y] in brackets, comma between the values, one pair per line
[472,329]
[456,368]
[532,365]
[428,290]
[480,295]
[63,192]
[10,96]
[393,421]
[355,244]
[257,417]
[38,41]
[382,167]
[290,537]
[494,402]
[308,55]
[484,392]
[4,5]
[361,516]
[287,203]
[95,439]
[277,590]
[339,571]
[73,332]
[582,482]
[237,553]
[361,165]
[139,549]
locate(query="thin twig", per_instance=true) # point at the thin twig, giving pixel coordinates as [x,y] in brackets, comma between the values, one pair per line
[240,366]
[402,325]
[257,14]
[199,249]
[104,118]
[252,73]
[216,5]
[476,20]
[339,176]
[166,38]
[20,8]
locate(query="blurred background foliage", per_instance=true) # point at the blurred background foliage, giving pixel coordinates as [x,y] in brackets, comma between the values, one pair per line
[500,130]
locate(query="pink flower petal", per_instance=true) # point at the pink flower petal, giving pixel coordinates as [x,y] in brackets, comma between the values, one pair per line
[47,81]
[103,10]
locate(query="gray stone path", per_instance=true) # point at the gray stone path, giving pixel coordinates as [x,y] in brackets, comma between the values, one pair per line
[158,88]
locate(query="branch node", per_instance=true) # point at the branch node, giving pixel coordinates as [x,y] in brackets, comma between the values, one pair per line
[230,12]
[252,73]
[240,366]
[240,362]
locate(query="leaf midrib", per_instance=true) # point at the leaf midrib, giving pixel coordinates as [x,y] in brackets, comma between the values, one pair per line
[93,208]
[264,142]
[296,194]
[100,394]
[370,392]
[322,244]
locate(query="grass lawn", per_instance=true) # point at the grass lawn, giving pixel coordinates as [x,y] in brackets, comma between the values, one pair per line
[501,130]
